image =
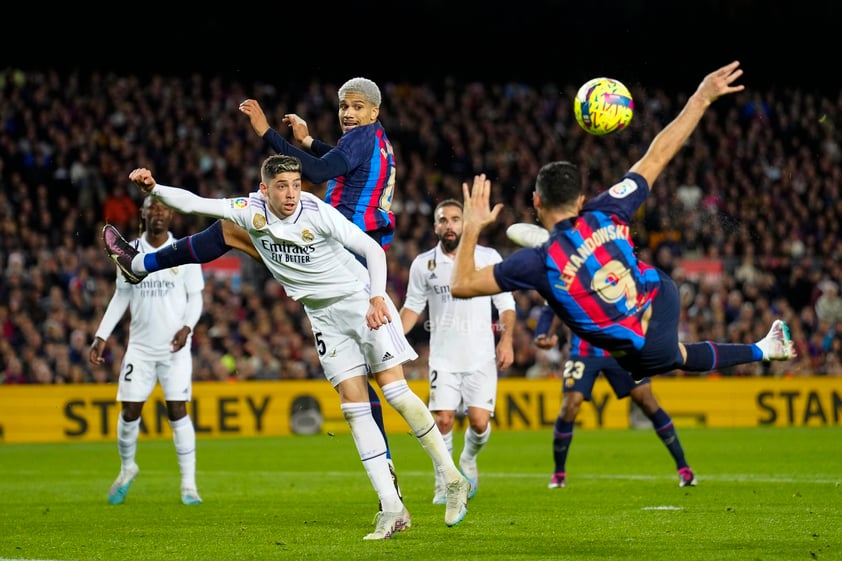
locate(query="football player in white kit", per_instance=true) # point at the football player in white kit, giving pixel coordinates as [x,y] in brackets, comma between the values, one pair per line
[305,244]
[164,310]
[463,359]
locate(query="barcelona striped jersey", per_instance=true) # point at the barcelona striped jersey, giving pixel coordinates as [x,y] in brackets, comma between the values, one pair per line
[364,194]
[588,271]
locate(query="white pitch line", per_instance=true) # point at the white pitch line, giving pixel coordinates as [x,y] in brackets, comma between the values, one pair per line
[815,478]
[811,478]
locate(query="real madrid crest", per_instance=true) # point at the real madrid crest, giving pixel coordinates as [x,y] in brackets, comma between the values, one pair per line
[307,236]
[259,221]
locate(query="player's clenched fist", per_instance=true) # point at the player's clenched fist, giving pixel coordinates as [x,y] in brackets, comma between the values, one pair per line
[142,177]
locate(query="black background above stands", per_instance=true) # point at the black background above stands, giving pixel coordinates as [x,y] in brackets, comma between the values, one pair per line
[638,41]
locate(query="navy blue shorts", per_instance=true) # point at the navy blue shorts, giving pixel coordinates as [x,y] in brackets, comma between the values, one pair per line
[660,353]
[580,374]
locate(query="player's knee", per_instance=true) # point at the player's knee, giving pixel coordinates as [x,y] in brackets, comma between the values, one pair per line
[643,397]
[444,421]
[176,410]
[570,413]
[570,406]
[131,411]
[478,422]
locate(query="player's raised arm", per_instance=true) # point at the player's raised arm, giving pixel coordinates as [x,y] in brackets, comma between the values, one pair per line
[466,281]
[175,198]
[670,140]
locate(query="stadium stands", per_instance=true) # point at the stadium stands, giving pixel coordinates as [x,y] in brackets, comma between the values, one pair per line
[746,218]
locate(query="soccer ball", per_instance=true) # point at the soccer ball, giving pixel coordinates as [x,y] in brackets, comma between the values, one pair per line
[602,106]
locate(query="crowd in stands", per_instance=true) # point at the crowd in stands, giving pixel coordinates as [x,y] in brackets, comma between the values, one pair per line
[746,218]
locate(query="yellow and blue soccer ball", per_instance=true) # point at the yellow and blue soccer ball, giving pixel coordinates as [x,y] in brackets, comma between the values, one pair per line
[603,105]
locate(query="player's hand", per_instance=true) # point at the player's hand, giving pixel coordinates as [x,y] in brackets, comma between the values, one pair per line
[477,212]
[378,313]
[298,126]
[142,177]
[505,355]
[180,339]
[546,341]
[256,116]
[95,352]
[718,82]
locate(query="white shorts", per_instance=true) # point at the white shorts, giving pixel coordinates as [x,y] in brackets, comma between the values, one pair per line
[456,391]
[347,347]
[139,374]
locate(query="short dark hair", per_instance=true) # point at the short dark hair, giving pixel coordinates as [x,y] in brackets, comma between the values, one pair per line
[447,202]
[559,184]
[278,163]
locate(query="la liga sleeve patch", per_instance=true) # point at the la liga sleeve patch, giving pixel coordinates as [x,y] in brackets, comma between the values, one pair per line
[623,189]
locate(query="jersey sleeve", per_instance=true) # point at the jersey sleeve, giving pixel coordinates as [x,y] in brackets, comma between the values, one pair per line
[117,307]
[184,201]
[315,169]
[194,283]
[622,199]
[416,289]
[522,270]
[504,300]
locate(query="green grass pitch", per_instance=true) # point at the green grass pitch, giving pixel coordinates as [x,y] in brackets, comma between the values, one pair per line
[764,494]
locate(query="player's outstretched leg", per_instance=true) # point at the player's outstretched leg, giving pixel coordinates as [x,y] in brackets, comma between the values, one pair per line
[777,345]
[121,252]
[202,247]
[421,421]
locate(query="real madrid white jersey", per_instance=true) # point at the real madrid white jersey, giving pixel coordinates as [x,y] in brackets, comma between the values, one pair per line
[157,304]
[306,251]
[461,330]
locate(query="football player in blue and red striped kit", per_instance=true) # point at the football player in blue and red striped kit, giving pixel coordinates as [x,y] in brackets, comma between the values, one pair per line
[581,369]
[588,271]
[360,175]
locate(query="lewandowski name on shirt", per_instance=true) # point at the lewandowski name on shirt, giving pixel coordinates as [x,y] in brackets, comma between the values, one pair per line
[590,244]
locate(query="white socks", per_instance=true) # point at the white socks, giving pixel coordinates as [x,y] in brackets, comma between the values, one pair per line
[127,441]
[137,264]
[372,450]
[184,437]
[420,420]
[474,442]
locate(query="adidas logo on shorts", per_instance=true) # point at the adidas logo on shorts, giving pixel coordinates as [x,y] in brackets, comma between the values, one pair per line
[387,356]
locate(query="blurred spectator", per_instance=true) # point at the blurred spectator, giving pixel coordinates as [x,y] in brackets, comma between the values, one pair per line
[13,374]
[829,304]
[120,209]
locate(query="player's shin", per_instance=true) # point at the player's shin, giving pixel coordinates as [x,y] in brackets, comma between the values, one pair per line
[420,420]
[372,451]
